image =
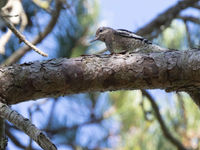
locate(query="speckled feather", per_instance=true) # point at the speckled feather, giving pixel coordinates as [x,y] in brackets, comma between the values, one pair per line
[121,40]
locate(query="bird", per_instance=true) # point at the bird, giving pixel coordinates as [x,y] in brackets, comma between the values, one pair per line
[121,40]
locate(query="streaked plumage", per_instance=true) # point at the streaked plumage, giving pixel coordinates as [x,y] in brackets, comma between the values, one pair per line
[123,40]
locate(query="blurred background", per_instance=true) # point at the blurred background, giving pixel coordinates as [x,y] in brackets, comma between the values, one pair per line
[121,120]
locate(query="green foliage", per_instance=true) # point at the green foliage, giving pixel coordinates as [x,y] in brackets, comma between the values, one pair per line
[136,132]
[173,36]
[126,104]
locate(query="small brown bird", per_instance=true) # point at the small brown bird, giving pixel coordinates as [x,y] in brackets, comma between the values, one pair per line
[121,40]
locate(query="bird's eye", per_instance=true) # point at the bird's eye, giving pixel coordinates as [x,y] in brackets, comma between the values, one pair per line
[100,30]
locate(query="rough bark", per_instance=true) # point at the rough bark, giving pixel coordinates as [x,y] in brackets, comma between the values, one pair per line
[3,139]
[26,126]
[173,71]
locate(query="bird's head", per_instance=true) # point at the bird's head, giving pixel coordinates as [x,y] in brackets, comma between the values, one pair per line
[102,33]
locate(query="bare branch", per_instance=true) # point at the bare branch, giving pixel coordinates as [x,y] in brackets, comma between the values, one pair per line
[60,129]
[51,114]
[161,21]
[190,18]
[20,52]
[26,126]
[21,37]
[163,126]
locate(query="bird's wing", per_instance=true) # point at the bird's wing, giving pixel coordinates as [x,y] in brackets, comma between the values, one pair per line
[129,34]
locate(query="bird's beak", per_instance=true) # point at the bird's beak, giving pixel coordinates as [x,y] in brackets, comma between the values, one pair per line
[95,39]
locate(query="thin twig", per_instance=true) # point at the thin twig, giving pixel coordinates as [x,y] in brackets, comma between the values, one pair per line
[14,139]
[189,18]
[188,34]
[21,37]
[163,126]
[49,27]
[51,114]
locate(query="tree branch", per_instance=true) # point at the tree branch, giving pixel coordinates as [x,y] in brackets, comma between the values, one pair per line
[22,51]
[26,126]
[164,129]
[161,20]
[20,36]
[190,18]
[173,71]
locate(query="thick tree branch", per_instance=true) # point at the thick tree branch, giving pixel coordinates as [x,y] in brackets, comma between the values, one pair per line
[165,18]
[173,71]
[164,128]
